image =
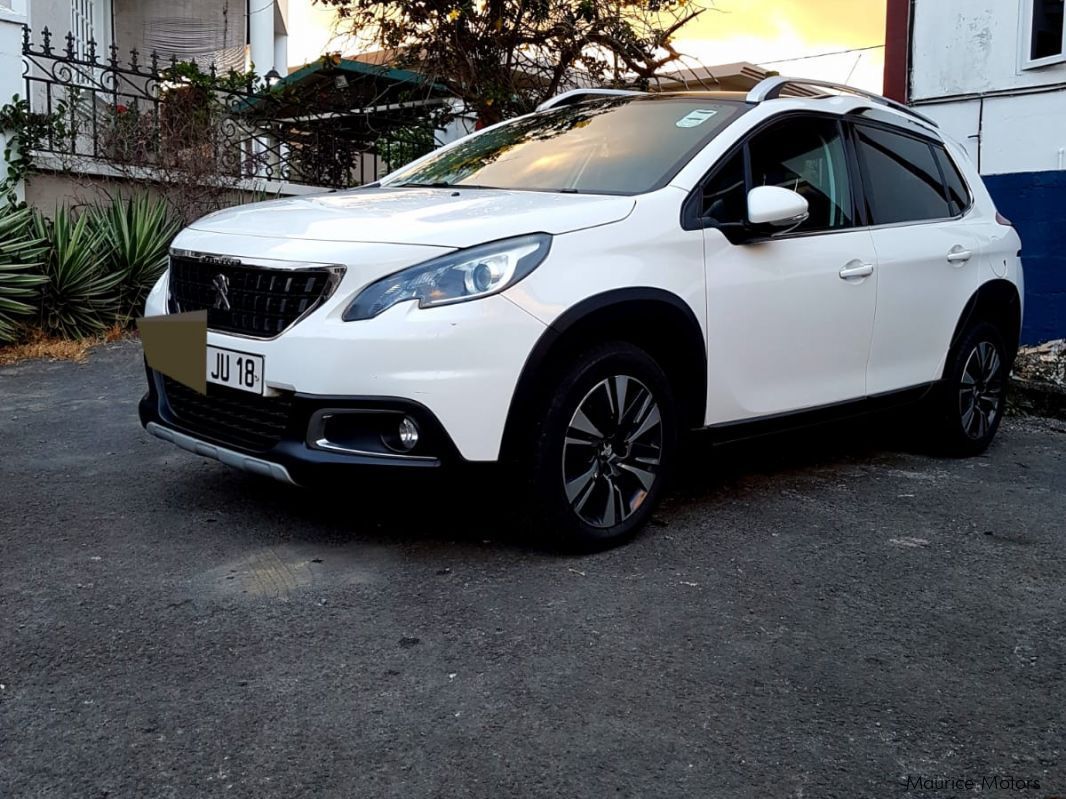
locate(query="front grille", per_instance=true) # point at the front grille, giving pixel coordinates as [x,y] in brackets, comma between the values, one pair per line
[249,300]
[230,416]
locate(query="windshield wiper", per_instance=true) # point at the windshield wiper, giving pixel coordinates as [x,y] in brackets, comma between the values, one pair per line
[443,185]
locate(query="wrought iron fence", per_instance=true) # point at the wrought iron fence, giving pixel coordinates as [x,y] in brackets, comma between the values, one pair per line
[143,114]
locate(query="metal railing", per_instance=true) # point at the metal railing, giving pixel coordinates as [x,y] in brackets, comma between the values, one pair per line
[142,115]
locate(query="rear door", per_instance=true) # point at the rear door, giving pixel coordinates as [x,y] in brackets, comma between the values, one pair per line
[928,253]
[789,318]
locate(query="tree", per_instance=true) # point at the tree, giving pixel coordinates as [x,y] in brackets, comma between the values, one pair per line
[503,57]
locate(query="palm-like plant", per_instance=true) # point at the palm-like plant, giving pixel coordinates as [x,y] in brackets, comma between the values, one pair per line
[78,298]
[20,253]
[135,237]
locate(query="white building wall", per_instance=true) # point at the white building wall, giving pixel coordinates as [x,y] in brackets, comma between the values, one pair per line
[968,72]
[12,18]
[261,38]
[1020,133]
[461,125]
[268,25]
[51,14]
[970,46]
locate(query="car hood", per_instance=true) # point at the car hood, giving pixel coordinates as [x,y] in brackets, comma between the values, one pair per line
[453,217]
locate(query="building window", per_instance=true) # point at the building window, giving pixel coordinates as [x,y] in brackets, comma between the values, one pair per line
[1046,41]
[90,21]
[83,22]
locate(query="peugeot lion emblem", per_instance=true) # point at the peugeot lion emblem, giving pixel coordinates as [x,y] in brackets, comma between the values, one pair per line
[221,284]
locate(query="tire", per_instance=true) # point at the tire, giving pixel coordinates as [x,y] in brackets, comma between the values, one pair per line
[973,397]
[595,477]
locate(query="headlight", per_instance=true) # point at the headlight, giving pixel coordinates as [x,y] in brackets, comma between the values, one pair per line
[457,277]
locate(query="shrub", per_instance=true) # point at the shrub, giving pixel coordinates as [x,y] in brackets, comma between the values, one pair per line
[135,237]
[19,259]
[79,296]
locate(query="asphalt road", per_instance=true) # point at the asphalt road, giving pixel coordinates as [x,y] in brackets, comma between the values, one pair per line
[822,615]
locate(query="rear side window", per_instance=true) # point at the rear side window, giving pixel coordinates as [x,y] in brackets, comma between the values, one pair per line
[958,193]
[901,178]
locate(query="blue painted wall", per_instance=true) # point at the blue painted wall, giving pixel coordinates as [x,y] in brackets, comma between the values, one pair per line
[1036,203]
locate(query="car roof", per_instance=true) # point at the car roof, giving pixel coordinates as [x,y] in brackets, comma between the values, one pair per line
[783,94]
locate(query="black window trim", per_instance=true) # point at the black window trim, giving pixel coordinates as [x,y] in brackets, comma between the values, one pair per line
[690,208]
[970,200]
[931,142]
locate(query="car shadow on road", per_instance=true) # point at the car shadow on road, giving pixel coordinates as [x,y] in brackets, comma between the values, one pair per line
[480,508]
[708,463]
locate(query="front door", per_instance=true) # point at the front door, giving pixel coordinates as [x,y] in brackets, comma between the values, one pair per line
[789,319]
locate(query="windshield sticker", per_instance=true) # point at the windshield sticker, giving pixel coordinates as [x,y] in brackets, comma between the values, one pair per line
[697,117]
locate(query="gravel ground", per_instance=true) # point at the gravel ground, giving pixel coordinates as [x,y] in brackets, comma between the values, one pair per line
[821,615]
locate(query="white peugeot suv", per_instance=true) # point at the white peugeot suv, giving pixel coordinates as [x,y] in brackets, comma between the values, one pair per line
[571,291]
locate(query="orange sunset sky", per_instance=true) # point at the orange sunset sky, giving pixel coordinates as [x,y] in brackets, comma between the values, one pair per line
[806,38]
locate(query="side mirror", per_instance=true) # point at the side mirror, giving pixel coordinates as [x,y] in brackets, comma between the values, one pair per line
[776,208]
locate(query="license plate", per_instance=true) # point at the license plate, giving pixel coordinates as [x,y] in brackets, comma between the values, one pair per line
[238,370]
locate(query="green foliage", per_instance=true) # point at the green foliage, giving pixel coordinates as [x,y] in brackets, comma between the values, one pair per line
[79,297]
[19,254]
[503,57]
[80,272]
[403,145]
[134,238]
[189,73]
[26,131]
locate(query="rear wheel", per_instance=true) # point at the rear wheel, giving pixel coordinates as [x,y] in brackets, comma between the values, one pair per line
[974,394]
[604,448]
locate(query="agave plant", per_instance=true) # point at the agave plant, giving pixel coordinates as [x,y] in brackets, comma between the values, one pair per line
[78,298]
[135,235]
[19,256]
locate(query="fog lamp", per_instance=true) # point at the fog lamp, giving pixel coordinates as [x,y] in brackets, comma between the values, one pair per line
[407,433]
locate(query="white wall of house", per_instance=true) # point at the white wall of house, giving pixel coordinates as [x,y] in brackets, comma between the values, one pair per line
[972,71]
[267,26]
[12,18]
[85,18]
[976,68]
[268,36]
[963,46]
[460,125]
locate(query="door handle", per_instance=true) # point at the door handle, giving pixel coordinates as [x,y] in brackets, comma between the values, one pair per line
[959,255]
[856,269]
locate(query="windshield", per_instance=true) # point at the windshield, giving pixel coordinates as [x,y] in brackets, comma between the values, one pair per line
[614,145]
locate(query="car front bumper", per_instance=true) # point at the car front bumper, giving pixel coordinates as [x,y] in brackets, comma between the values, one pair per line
[297,449]
[460,362]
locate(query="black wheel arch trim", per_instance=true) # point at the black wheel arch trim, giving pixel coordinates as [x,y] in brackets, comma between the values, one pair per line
[986,303]
[525,392]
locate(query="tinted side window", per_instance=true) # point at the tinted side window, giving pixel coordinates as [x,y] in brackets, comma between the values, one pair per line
[958,193]
[806,155]
[725,197]
[901,178]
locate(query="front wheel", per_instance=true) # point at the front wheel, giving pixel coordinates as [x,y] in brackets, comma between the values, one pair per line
[603,448]
[974,392]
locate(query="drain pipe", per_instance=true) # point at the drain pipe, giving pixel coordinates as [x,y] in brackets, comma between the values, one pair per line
[980,132]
